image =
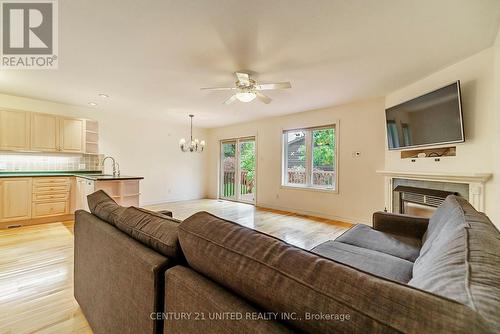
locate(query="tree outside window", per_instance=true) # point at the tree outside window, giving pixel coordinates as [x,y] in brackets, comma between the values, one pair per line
[309,157]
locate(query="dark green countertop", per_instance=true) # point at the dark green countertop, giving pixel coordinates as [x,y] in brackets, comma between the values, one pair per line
[90,175]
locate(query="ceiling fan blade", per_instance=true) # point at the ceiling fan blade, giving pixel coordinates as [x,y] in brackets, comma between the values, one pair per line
[218,88]
[270,86]
[243,78]
[264,98]
[230,99]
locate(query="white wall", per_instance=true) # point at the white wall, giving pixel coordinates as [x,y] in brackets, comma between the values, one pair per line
[142,147]
[361,190]
[478,153]
[495,210]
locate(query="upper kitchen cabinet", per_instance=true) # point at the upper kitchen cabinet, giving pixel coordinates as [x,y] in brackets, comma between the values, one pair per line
[72,132]
[14,130]
[44,132]
[91,137]
[32,131]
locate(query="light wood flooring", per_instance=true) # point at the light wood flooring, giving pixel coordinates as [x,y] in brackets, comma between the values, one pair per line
[36,262]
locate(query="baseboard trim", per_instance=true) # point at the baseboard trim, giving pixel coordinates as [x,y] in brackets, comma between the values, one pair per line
[36,221]
[342,219]
[151,203]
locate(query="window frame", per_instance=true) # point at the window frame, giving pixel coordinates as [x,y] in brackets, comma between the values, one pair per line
[309,159]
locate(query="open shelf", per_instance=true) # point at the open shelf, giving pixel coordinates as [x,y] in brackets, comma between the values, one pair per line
[440,152]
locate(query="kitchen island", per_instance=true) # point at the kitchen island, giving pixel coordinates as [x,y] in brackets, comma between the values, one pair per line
[28,198]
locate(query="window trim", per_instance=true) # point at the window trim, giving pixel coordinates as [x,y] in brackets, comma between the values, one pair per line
[309,159]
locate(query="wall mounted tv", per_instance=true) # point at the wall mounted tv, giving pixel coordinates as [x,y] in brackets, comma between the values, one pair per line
[431,119]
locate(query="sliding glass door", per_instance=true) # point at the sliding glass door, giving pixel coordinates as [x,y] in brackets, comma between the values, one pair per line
[228,170]
[238,170]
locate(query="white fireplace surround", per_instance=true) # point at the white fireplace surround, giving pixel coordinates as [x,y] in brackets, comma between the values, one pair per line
[475,181]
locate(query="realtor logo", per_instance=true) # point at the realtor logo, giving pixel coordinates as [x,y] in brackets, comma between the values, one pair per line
[29,34]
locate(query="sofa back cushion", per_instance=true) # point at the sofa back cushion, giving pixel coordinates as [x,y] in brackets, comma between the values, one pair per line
[460,258]
[309,292]
[154,230]
[104,207]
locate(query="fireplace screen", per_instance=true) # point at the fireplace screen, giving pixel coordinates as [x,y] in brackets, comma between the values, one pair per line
[420,201]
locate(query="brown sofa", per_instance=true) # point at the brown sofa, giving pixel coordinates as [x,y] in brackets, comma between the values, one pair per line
[142,272]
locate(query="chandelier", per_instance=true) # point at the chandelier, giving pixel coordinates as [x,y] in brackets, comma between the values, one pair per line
[194,145]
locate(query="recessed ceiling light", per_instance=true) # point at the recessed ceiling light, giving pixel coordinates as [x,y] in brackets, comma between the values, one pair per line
[93,104]
[105,96]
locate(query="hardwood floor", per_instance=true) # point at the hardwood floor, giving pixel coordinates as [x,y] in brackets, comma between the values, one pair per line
[301,231]
[36,281]
[36,262]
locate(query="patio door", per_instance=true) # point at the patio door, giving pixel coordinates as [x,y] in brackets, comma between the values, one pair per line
[238,170]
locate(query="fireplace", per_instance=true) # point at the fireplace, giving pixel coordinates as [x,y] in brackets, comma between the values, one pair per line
[421,198]
[468,185]
[420,201]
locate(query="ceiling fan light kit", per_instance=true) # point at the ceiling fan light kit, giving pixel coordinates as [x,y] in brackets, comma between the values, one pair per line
[246,96]
[248,89]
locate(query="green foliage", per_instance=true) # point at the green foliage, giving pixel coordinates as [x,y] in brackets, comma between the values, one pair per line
[247,154]
[229,150]
[323,147]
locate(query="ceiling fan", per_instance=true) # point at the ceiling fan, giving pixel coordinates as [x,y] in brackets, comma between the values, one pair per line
[247,89]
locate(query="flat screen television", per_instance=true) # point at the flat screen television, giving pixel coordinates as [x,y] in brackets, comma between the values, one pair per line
[431,119]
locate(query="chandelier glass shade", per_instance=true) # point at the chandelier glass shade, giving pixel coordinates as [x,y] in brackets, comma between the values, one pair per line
[194,145]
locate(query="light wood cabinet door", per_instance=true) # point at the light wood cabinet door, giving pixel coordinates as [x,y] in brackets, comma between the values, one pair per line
[44,132]
[72,135]
[14,130]
[15,199]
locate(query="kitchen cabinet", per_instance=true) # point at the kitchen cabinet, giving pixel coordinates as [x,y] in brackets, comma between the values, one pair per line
[15,199]
[44,132]
[91,137]
[31,131]
[72,131]
[124,192]
[51,196]
[14,130]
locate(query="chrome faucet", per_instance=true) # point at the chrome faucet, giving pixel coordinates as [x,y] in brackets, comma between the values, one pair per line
[115,172]
[117,168]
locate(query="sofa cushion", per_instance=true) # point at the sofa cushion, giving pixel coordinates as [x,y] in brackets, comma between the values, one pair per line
[277,277]
[156,231]
[104,207]
[377,263]
[460,258]
[365,237]
[187,292]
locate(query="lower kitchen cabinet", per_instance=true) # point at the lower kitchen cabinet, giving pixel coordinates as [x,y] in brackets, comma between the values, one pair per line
[48,209]
[48,199]
[51,196]
[15,199]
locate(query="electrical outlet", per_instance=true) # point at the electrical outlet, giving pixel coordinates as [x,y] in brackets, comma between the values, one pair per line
[81,166]
[3,165]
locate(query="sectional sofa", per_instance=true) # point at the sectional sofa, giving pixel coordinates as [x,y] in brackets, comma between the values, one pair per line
[138,271]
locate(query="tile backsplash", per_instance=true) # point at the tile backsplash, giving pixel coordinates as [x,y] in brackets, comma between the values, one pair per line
[10,162]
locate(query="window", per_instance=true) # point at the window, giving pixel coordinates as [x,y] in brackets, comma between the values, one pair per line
[309,158]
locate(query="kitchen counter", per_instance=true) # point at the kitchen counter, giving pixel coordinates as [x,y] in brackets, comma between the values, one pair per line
[90,175]
[105,177]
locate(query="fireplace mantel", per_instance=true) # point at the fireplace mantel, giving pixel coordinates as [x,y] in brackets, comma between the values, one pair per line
[445,177]
[476,182]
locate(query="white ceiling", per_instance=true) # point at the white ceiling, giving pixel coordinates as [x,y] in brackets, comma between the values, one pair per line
[153,56]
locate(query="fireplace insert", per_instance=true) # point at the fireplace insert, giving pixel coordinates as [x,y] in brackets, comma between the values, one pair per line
[420,201]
